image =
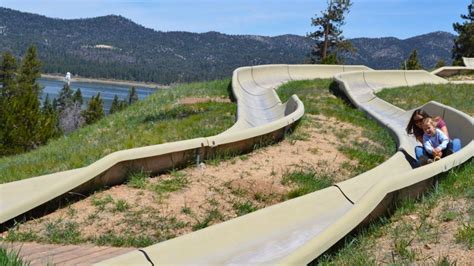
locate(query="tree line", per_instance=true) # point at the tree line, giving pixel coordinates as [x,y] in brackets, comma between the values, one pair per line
[26,122]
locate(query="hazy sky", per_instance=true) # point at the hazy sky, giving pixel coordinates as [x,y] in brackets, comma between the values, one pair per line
[367,18]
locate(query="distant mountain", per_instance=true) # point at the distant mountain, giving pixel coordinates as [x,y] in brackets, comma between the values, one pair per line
[389,52]
[115,47]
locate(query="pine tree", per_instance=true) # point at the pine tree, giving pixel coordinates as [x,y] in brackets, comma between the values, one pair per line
[29,71]
[65,98]
[412,62]
[328,36]
[95,110]
[7,75]
[132,96]
[464,43]
[78,97]
[7,88]
[440,63]
[117,105]
[55,104]
[24,119]
[25,124]
[47,105]
[50,120]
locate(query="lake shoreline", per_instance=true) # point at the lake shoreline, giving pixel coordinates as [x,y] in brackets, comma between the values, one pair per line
[108,81]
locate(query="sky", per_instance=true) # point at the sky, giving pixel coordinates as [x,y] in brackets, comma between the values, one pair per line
[367,18]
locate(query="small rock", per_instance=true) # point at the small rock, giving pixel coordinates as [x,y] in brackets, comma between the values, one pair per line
[427,246]
[202,166]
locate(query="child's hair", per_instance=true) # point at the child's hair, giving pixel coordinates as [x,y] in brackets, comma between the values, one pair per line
[429,121]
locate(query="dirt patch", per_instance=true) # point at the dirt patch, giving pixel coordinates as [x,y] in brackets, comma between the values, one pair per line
[462,77]
[198,196]
[427,236]
[193,100]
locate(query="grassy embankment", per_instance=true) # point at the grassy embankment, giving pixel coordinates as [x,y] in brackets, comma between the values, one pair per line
[437,229]
[157,119]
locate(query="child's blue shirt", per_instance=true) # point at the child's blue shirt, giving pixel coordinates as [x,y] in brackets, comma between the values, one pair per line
[438,140]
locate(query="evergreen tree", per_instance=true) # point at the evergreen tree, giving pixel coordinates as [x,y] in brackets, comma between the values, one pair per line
[412,62]
[29,72]
[50,120]
[55,104]
[47,105]
[464,43]
[328,36]
[7,75]
[65,98]
[440,63]
[78,97]
[25,125]
[7,88]
[132,96]
[95,110]
[117,105]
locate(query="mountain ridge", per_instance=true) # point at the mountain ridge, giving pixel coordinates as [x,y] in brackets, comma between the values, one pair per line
[113,46]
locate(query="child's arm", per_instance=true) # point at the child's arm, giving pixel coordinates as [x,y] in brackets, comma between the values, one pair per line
[427,144]
[443,139]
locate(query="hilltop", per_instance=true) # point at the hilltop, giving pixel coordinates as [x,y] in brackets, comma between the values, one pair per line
[116,47]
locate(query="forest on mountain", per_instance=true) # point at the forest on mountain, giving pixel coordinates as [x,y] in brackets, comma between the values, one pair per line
[117,48]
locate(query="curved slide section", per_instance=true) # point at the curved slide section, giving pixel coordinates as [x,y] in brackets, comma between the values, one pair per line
[468,61]
[448,71]
[299,230]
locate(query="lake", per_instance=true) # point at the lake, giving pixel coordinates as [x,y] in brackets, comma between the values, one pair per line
[52,87]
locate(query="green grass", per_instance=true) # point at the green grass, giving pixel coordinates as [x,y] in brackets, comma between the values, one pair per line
[123,241]
[367,155]
[121,205]
[62,232]
[137,179]
[212,215]
[101,203]
[157,119]
[177,182]
[11,258]
[319,97]
[306,181]
[242,208]
[459,96]
[466,235]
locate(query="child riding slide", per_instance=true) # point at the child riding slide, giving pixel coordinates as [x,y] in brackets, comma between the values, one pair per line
[435,142]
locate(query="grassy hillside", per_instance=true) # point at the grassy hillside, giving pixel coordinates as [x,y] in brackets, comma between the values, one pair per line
[157,119]
[459,96]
